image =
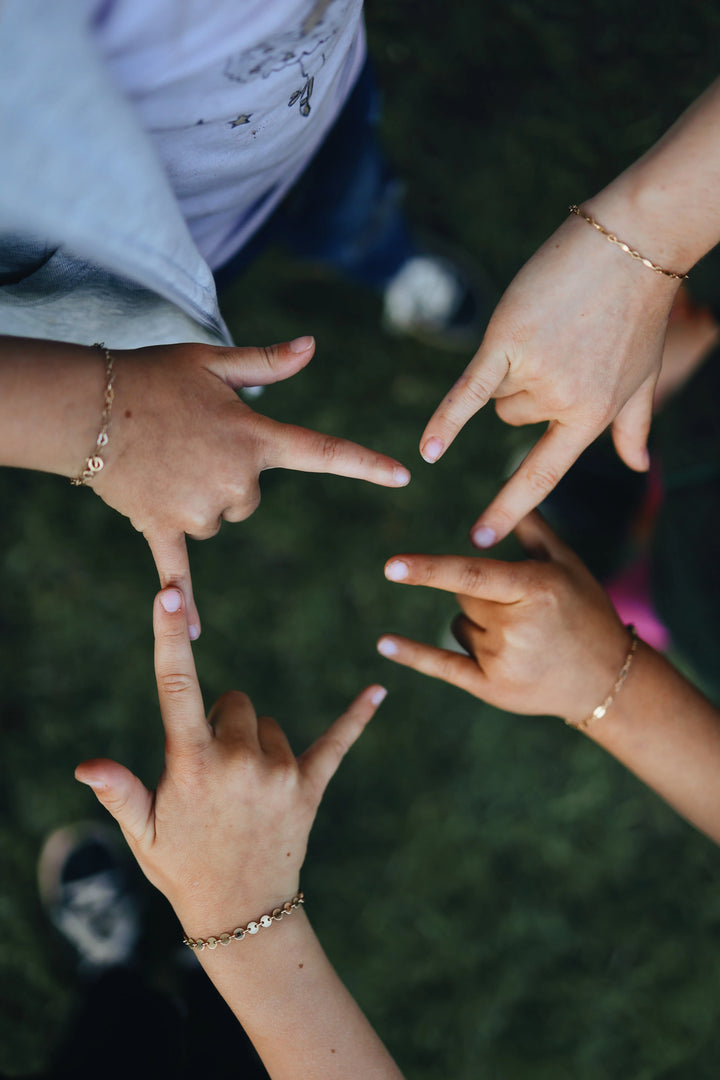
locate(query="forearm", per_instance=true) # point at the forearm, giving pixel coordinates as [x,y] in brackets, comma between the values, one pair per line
[51,397]
[667,204]
[295,1009]
[668,734]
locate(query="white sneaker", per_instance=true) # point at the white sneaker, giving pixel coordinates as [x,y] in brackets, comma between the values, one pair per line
[84,877]
[431,299]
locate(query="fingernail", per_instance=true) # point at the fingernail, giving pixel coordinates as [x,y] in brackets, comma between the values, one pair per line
[397,570]
[401,476]
[378,695]
[483,537]
[193,632]
[301,344]
[387,647]
[432,449]
[171,600]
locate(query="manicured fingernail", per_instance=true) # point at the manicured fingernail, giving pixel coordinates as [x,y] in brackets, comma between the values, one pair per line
[432,449]
[171,600]
[483,537]
[387,647]
[378,695]
[401,476]
[193,632]
[301,344]
[397,570]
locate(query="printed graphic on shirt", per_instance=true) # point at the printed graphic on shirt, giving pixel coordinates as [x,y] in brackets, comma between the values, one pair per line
[304,46]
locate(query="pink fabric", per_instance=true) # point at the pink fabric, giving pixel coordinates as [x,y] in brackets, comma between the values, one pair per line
[630,593]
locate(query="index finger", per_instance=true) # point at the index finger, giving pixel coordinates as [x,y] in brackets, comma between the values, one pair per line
[181,703]
[471,392]
[486,579]
[298,448]
[548,461]
[173,566]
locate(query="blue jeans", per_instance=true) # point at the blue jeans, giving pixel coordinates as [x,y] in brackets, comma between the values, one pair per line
[345,211]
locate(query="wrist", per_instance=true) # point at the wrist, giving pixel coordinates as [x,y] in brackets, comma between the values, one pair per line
[605,679]
[650,211]
[51,397]
[212,915]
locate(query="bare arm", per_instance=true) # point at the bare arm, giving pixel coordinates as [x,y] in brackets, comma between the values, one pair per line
[577,338]
[224,838]
[543,638]
[184,452]
[297,1012]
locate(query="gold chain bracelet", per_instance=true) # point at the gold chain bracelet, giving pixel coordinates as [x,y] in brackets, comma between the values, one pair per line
[626,247]
[95,462]
[240,932]
[600,710]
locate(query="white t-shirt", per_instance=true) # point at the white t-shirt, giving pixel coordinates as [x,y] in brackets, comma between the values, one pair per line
[237,96]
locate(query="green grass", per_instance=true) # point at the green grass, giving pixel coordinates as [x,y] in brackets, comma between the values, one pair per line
[505,901]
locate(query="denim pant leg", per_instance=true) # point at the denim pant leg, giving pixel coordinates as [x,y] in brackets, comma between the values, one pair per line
[345,211]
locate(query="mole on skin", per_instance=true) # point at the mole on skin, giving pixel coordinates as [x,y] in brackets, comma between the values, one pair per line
[128,414]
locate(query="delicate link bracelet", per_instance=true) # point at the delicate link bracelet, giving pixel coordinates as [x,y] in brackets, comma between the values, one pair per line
[626,247]
[95,463]
[252,927]
[599,712]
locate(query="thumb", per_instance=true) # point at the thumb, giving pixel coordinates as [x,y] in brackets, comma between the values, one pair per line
[121,793]
[631,427]
[258,366]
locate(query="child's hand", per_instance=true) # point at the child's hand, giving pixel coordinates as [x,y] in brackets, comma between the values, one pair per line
[185,453]
[542,635]
[225,834]
[577,341]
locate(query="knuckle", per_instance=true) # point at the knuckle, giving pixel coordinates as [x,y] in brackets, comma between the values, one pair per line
[252,501]
[475,391]
[421,572]
[472,578]
[285,772]
[266,354]
[557,400]
[549,590]
[231,699]
[542,478]
[596,415]
[511,414]
[174,683]
[329,448]
[207,532]
[244,499]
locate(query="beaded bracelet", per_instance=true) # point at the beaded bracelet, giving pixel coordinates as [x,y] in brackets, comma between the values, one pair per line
[600,710]
[252,927]
[95,462]
[626,247]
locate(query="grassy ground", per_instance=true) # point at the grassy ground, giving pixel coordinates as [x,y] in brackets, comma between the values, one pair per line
[504,901]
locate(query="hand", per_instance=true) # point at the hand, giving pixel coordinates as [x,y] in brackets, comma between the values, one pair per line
[185,452]
[576,340]
[542,636]
[225,834]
